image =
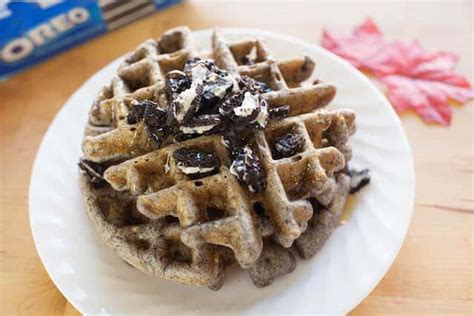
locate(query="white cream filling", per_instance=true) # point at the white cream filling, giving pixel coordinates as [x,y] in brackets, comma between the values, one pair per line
[234,170]
[262,117]
[193,170]
[196,129]
[199,73]
[224,142]
[186,98]
[212,77]
[248,106]
[235,84]
[220,91]
[167,164]
[248,152]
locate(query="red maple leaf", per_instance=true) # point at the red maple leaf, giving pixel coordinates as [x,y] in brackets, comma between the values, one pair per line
[415,78]
[365,48]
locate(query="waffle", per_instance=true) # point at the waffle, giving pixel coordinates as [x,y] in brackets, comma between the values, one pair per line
[187,229]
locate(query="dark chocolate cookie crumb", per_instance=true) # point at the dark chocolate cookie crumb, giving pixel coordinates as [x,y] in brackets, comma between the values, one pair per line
[195,104]
[193,62]
[93,171]
[245,109]
[248,169]
[262,87]
[236,138]
[287,145]
[155,120]
[227,107]
[252,85]
[214,91]
[181,137]
[359,179]
[279,112]
[136,111]
[176,82]
[205,100]
[203,124]
[192,161]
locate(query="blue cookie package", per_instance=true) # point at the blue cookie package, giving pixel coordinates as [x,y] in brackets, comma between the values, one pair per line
[32,31]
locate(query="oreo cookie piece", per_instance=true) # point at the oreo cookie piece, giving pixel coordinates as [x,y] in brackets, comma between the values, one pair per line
[287,145]
[359,179]
[192,161]
[181,137]
[246,166]
[155,120]
[216,88]
[236,138]
[137,109]
[192,63]
[203,124]
[176,82]
[243,108]
[252,85]
[94,171]
[279,112]
[261,87]
[189,105]
[227,107]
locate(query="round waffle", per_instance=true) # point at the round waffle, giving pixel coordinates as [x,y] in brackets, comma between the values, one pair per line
[189,229]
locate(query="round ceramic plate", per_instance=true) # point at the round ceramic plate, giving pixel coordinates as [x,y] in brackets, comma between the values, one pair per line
[95,280]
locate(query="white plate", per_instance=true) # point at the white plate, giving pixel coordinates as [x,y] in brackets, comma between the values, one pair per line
[352,262]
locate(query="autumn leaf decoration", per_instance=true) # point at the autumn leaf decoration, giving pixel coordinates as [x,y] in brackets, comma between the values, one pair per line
[414,77]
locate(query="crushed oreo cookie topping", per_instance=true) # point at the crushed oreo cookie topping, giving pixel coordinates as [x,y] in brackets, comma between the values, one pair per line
[288,145]
[202,124]
[205,100]
[155,124]
[248,170]
[247,109]
[193,161]
[155,120]
[359,179]
[279,112]
[252,85]
[261,86]
[236,138]
[136,111]
[93,171]
[176,82]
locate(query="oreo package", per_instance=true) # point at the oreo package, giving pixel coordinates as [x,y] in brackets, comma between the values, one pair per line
[33,31]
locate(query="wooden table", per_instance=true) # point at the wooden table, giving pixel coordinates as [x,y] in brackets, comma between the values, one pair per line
[433,274]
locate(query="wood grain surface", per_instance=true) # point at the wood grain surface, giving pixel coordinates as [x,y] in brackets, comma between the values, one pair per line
[432,275]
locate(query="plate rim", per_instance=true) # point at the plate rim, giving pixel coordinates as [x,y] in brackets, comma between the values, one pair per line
[275,36]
